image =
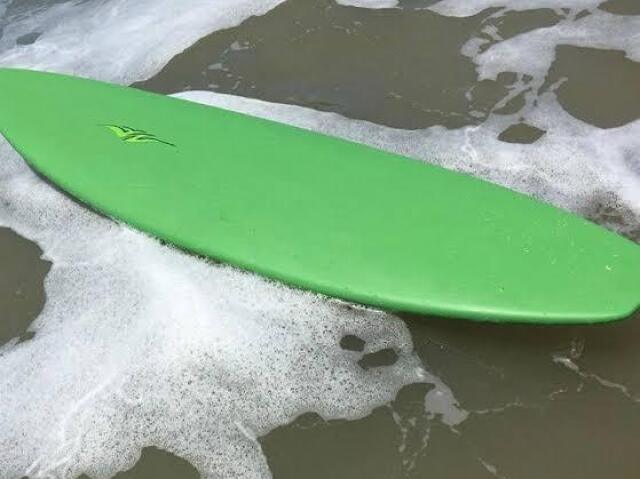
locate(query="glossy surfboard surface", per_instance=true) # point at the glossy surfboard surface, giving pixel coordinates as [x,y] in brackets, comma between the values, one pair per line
[316,212]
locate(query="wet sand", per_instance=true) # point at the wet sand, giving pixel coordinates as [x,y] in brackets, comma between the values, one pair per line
[22,274]
[542,401]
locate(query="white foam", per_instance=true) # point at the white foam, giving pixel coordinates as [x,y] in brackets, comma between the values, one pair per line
[575,165]
[119,40]
[369,3]
[597,30]
[465,8]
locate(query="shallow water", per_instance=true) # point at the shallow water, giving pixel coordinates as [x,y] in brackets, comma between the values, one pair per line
[206,371]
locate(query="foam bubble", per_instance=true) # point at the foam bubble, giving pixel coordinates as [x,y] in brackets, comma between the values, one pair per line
[597,30]
[575,165]
[369,3]
[117,40]
[464,8]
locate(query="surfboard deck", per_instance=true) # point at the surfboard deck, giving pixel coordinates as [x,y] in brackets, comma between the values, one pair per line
[317,212]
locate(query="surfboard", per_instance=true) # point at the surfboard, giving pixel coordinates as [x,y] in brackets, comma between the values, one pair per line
[316,212]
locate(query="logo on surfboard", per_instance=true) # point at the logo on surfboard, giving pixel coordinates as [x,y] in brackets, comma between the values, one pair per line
[132,135]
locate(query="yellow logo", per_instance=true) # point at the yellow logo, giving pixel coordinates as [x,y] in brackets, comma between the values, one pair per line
[131,135]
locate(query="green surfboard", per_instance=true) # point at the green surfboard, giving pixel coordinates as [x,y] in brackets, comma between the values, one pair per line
[316,212]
